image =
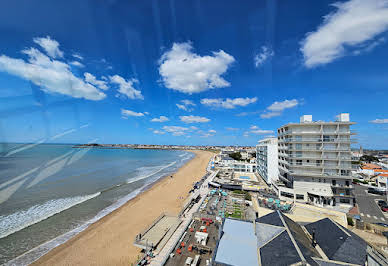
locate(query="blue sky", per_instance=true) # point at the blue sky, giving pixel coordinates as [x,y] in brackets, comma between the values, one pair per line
[190,72]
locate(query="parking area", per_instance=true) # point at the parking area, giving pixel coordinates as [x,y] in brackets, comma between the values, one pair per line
[367,204]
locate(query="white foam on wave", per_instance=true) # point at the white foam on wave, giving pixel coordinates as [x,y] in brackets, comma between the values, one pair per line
[37,252]
[17,221]
[150,172]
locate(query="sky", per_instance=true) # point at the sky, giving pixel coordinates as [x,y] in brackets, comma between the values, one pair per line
[190,72]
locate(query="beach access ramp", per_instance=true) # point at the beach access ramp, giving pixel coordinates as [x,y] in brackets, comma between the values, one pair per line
[157,234]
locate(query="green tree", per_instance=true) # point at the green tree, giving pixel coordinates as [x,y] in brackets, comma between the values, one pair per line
[236,156]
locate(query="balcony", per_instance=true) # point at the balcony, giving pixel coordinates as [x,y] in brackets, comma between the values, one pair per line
[343,186]
[343,195]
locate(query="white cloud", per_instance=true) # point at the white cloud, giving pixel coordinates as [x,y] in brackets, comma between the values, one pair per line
[379,121]
[126,87]
[232,129]
[186,105]
[188,102]
[51,75]
[228,103]
[210,133]
[257,131]
[78,56]
[270,114]
[264,55]
[280,106]
[194,119]
[353,24]
[126,113]
[50,46]
[92,80]
[76,63]
[193,128]
[187,72]
[261,131]
[159,132]
[277,108]
[161,119]
[176,130]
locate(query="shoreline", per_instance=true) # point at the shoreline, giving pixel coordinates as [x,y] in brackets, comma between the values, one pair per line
[134,215]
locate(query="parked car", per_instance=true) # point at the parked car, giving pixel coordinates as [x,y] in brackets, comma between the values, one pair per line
[382,224]
[373,190]
[384,208]
[381,203]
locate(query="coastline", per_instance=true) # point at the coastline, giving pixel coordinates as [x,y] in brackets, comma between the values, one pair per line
[109,240]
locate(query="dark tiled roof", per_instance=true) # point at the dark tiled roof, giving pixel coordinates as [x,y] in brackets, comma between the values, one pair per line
[302,240]
[279,251]
[271,218]
[328,236]
[338,243]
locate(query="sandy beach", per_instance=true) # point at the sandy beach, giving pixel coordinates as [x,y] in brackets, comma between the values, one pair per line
[109,241]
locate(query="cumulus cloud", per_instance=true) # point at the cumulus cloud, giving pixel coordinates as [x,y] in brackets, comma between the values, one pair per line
[379,121]
[277,108]
[193,128]
[76,63]
[50,46]
[354,24]
[176,130]
[228,103]
[52,76]
[159,132]
[264,55]
[232,128]
[256,131]
[194,119]
[126,87]
[78,56]
[209,133]
[126,113]
[161,119]
[92,80]
[187,72]
[186,105]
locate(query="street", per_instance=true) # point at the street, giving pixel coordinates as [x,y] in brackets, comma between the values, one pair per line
[369,210]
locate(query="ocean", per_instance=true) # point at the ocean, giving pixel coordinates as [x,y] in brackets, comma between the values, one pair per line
[51,192]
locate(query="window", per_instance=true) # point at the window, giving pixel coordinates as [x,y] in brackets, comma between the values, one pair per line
[344,200]
[333,182]
[298,162]
[286,194]
[300,196]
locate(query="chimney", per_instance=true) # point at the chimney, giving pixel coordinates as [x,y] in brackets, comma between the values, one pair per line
[313,241]
[306,118]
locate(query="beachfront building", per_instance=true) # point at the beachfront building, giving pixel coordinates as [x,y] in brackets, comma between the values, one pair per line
[267,159]
[244,167]
[315,161]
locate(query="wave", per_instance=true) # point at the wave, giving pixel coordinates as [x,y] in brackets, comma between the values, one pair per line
[17,221]
[37,252]
[147,169]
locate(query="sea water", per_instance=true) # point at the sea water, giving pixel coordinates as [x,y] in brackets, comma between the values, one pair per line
[51,192]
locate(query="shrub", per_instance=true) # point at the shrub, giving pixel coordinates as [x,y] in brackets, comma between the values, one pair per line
[350,221]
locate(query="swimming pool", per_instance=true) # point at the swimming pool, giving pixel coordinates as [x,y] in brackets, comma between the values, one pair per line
[244,177]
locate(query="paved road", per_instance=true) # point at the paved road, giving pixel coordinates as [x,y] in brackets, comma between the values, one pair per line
[369,210]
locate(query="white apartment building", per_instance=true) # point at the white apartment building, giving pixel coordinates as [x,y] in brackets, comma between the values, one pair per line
[267,159]
[315,161]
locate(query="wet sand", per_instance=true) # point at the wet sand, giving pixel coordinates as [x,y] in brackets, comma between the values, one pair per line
[109,241]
